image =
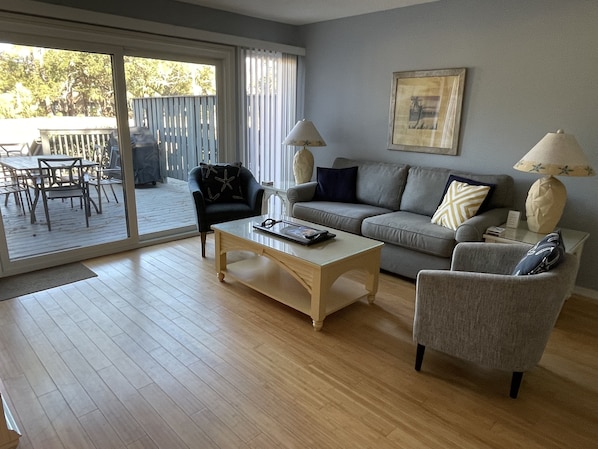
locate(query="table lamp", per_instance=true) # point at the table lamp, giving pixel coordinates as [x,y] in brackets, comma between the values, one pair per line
[557,154]
[305,134]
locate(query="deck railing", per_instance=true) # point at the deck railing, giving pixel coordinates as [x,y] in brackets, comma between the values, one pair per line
[74,142]
[184,127]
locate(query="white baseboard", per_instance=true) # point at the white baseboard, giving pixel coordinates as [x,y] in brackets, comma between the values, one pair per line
[586,292]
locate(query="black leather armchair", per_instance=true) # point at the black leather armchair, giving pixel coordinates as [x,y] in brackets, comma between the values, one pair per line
[209,213]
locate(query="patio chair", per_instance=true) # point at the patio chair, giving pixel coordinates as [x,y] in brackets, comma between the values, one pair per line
[12,183]
[216,205]
[106,173]
[478,311]
[64,178]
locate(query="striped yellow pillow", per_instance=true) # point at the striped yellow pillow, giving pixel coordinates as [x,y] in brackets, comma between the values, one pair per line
[460,203]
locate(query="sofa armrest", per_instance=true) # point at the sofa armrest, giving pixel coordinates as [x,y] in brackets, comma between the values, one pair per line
[300,193]
[473,229]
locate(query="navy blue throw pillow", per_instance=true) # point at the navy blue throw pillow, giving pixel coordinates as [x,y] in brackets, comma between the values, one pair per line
[543,256]
[336,184]
[471,182]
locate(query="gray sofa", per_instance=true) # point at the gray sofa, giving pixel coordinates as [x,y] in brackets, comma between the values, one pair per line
[395,203]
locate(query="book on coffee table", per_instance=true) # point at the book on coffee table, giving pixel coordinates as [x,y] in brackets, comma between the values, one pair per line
[295,232]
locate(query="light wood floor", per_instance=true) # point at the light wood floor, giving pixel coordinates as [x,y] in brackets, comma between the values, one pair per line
[156,353]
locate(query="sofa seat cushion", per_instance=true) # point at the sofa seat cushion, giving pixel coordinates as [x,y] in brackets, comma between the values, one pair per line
[409,230]
[221,212]
[343,216]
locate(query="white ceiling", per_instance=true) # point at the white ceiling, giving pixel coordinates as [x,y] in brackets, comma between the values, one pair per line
[302,12]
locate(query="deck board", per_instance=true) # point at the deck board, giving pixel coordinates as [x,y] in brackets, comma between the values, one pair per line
[159,208]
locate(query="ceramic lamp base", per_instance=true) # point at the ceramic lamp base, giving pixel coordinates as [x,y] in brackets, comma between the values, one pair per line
[545,204]
[303,166]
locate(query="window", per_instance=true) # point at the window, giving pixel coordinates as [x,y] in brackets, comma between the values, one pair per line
[271,105]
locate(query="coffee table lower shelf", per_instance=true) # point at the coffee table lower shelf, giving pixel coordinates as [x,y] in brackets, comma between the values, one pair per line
[265,276]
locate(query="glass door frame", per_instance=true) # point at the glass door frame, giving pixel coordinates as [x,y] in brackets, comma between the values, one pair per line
[53,33]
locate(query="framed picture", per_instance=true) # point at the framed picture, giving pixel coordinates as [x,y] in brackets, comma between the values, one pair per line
[425,111]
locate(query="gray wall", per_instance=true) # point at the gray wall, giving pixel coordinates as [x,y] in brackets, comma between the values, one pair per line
[532,68]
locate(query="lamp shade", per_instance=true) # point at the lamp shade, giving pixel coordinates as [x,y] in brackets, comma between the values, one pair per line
[304,134]
[557,154]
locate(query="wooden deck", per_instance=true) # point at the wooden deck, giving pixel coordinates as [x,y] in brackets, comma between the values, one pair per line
[159,208]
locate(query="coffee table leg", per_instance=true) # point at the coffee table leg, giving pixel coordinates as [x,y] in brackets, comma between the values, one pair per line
[220,257]
[318,325]
[371,285]
[372,275]
[318,302]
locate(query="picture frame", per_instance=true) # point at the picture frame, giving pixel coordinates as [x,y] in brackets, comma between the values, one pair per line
[425,111]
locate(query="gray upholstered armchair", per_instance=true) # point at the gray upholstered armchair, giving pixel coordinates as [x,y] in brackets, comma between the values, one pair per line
[212,210]
[479,312]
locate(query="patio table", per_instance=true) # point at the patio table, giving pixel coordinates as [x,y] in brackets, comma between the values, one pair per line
[28,166]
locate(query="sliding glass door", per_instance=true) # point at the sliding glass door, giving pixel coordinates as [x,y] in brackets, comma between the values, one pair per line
[61,103]
[57,103]
[139,110]
[173,117]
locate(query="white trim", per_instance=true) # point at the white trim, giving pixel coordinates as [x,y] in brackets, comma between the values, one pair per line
[82,16]
[29,29]
[586,292]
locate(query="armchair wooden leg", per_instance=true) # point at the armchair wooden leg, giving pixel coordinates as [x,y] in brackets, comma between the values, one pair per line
[515,384]
[203,243]
[419,357]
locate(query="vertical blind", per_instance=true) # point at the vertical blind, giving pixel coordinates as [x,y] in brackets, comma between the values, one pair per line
[270,109]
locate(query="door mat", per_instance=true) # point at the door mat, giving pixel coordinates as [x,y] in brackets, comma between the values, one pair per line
[24,284]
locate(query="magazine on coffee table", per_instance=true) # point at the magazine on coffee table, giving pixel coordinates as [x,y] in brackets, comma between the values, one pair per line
[296,232]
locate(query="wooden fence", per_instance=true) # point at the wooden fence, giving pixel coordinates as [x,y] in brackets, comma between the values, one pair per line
[185,128]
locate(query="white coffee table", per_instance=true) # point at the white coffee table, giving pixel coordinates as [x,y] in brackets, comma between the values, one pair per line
[307,278]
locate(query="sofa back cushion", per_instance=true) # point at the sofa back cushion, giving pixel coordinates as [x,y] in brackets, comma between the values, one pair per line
[378,183]
[503,193]
[425,189]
